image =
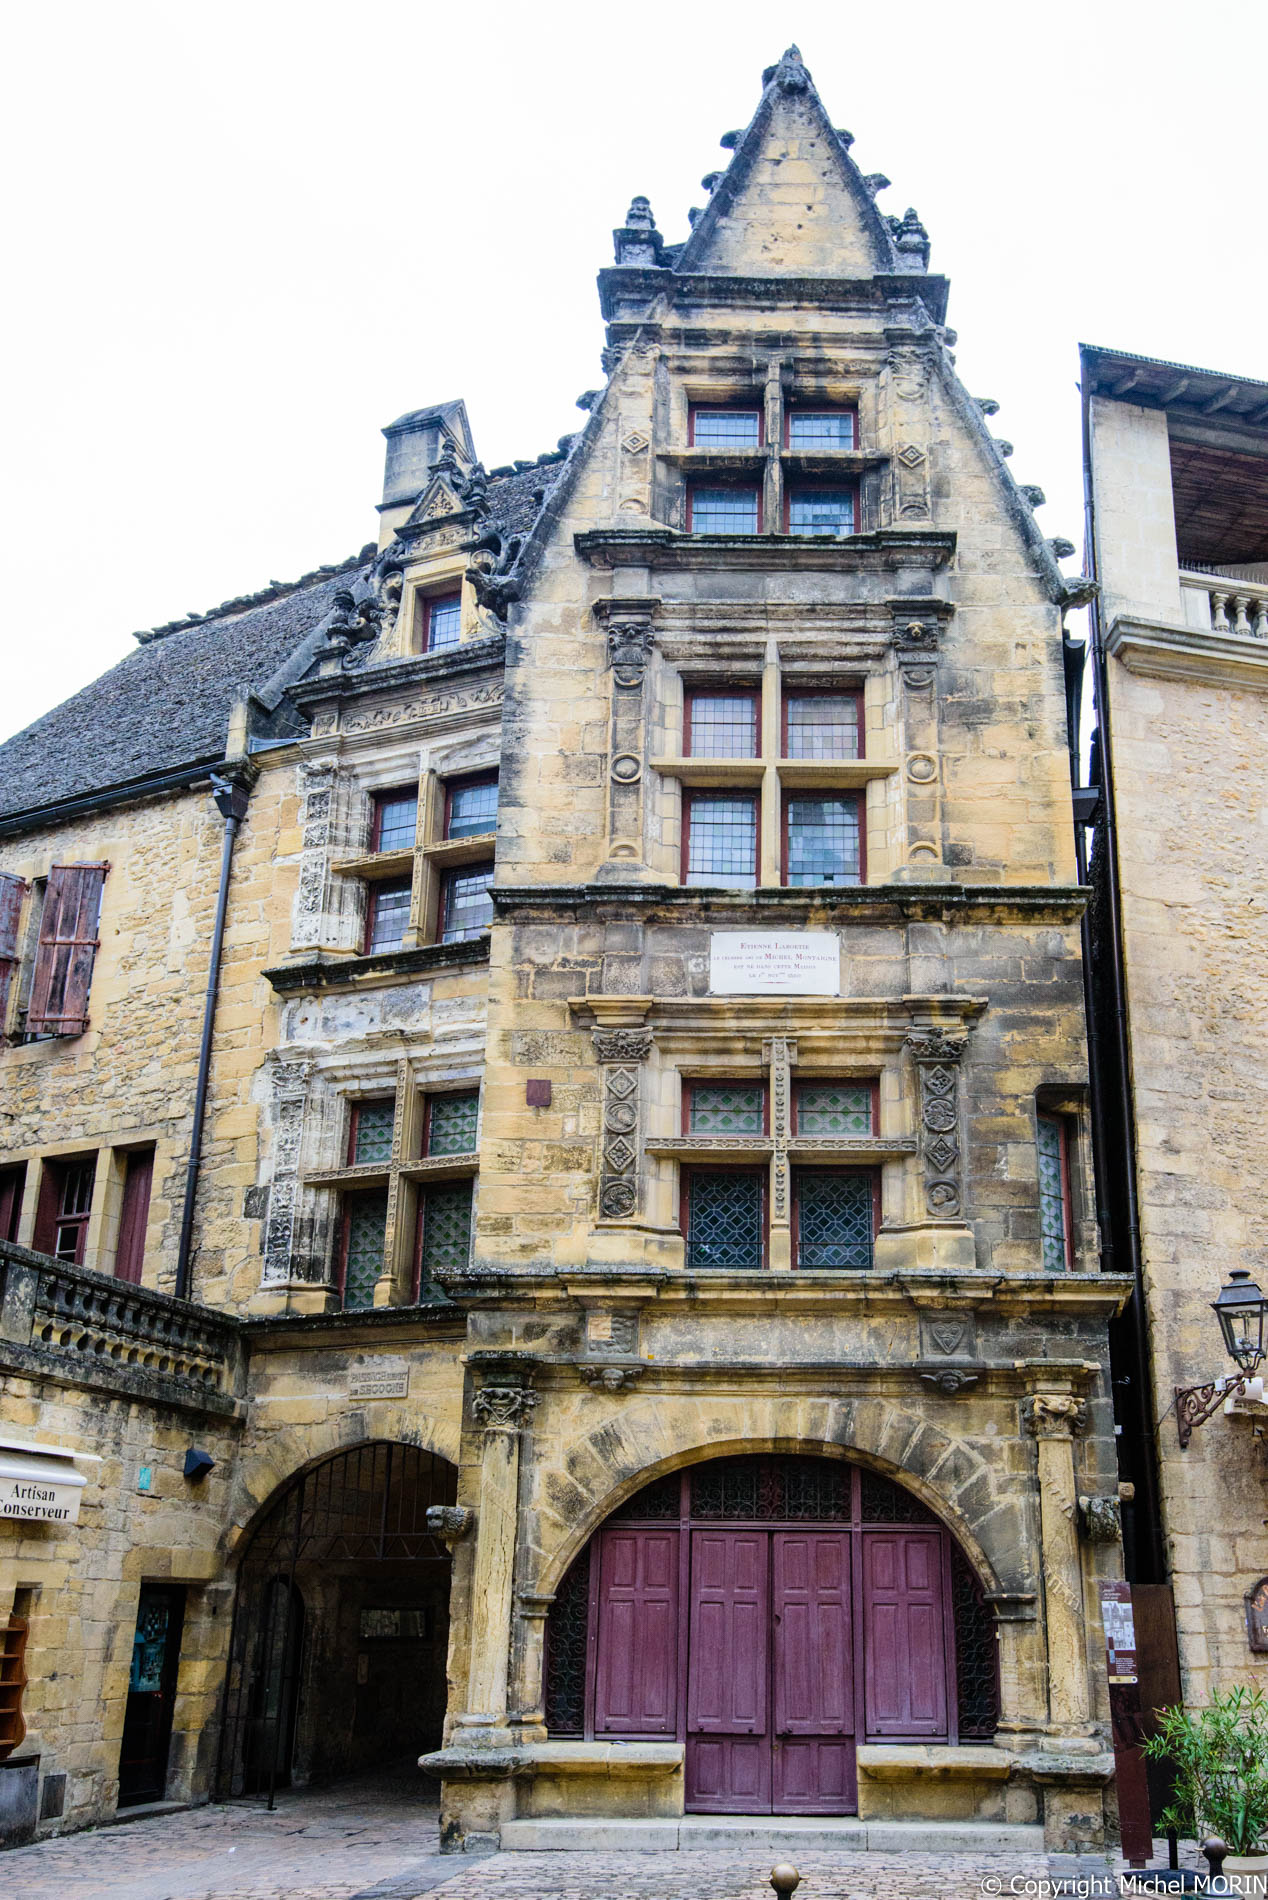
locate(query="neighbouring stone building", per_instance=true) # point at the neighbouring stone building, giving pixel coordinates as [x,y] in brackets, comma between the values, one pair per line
[1177,465]
[623,1231]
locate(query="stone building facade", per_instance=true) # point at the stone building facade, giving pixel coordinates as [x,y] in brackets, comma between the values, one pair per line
[1177,462]
[640,1286]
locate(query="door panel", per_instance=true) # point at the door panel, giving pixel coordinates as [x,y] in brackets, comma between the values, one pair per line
[813,1767]
[636,1678]
[813,1776]
[728,1739]
[147,1721]
[905,1643]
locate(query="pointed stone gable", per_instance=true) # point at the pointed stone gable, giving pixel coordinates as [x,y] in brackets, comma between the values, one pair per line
[792,202]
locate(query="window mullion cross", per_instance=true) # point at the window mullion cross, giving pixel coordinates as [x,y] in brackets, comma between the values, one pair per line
[393,1287]
[779,1054]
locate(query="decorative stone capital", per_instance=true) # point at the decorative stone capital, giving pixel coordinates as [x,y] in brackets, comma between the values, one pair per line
[629,645]
[935,1045]
[1054,1414]
[622,1045]
[503,1406]
[1100,1520]
[449,1522]
[611,1378]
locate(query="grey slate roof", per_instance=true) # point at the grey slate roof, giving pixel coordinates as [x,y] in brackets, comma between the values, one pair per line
[164,706]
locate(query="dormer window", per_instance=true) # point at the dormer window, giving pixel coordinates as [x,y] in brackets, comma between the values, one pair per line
[821,511]
[442,622]
[819,429]
[711,427]
[732,510]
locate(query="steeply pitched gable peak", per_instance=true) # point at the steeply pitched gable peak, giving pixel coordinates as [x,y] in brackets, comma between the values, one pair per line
[792,202]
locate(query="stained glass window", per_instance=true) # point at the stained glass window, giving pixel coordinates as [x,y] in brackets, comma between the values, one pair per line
[364,1234]
[821,511]
[834,1219]
[822,725]
[726,428]
[451,1124]
[821,429]
[445,1216]
[472,809]
[1052,1196]
[389,915]
[468,908]
[724,510]
[722,725]
[724,1219]
[372,1132]
[722,839]
[444,621]
[823,839]
[727,1108]
[395,821]
[834,1108]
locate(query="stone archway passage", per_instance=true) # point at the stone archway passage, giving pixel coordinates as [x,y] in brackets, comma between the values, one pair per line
[340,1627]
[772,1612]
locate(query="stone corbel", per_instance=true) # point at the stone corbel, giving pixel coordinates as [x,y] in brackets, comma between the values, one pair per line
[949,1380]
[1054,1414]
[611,1377]
[450,1523]
[504,1399]
[1100,1520]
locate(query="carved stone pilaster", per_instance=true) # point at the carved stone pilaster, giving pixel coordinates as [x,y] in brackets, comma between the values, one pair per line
[621,1051]
[1053,1419]
[291,1082]
[780,1055]
[630,642]
[937,1053]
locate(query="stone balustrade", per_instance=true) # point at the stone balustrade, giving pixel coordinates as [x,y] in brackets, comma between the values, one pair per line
[1218,604]
[90,1326]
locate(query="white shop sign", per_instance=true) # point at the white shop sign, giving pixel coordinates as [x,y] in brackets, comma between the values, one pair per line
[40,1481]
[774,963]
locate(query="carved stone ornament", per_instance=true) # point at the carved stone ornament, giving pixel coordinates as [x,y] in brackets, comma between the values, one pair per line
[622,1045]
[948,1335]
[1100,1520]
[504,1405]
[917,636]
[1257,1617]
[449,1522]
[611,1378]
[951,1381]
[629,644]
[928,1045]
[1054,1414]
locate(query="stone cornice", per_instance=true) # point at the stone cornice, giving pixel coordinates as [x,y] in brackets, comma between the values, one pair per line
[882,551]
[396,676]
[336,973]
[1155,648]
[867,903]
[623,286]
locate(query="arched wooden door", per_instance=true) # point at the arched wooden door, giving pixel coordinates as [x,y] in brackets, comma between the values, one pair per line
[772,1612]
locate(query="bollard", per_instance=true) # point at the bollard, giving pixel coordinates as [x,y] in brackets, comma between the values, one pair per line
[784,1878]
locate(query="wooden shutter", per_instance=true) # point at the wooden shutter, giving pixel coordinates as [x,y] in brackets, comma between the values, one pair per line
[67,950]
[130,1253]
[12,891]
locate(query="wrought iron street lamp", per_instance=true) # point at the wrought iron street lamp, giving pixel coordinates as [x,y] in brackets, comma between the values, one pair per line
[1241,1310]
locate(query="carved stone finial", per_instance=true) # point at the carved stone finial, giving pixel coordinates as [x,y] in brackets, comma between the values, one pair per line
[1100,1520]
[637,242]
[911,240]
[449,1522]
[789,74]
[1034,495]
[1054,1414]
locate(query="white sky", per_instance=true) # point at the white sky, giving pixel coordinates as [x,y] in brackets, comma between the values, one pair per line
[243,237]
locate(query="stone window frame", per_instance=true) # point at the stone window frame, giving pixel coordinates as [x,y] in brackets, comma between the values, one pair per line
[412,1082]
[1068,1105]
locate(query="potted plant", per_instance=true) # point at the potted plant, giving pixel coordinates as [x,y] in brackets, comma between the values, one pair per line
[1220,1759]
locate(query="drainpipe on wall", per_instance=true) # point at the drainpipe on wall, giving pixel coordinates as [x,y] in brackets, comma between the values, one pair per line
[231,795]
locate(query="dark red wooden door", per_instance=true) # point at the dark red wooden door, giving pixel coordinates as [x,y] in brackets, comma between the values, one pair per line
[636,1673]
[728,1701]
[129,1256]
[813,1767]
[905,1648]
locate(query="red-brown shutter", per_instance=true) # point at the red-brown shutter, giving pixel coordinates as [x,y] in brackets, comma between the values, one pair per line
[130,1253]
[67,950]
[44,1238]
[12,891]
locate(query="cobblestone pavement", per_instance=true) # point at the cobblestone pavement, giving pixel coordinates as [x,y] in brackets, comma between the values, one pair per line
[368,1841]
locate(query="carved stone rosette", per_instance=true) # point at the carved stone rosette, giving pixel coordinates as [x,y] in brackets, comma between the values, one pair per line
[621,1051]
[937,1057]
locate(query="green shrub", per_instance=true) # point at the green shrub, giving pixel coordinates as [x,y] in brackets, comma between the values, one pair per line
[1220,1758]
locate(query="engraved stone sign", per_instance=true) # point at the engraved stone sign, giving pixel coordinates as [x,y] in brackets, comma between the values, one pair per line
[774,963]
[378,1385]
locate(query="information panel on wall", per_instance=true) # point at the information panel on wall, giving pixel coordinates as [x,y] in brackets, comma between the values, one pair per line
[774,963]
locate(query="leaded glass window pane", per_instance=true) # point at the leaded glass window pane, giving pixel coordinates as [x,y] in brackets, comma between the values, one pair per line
[446,1219]
[1052,1226]
[834,1220]
[363,1262]
[723,725]
[724,1220]
[397,821]
[724,1108]
[726,428]
[823,840]
[472,809]
[821,511]
[823,429]
[724,511]
[389,915]
[722,840]
[451,1124]
[822,726]
[372,1138]
[834,1108]
[468,906]
[444,622]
